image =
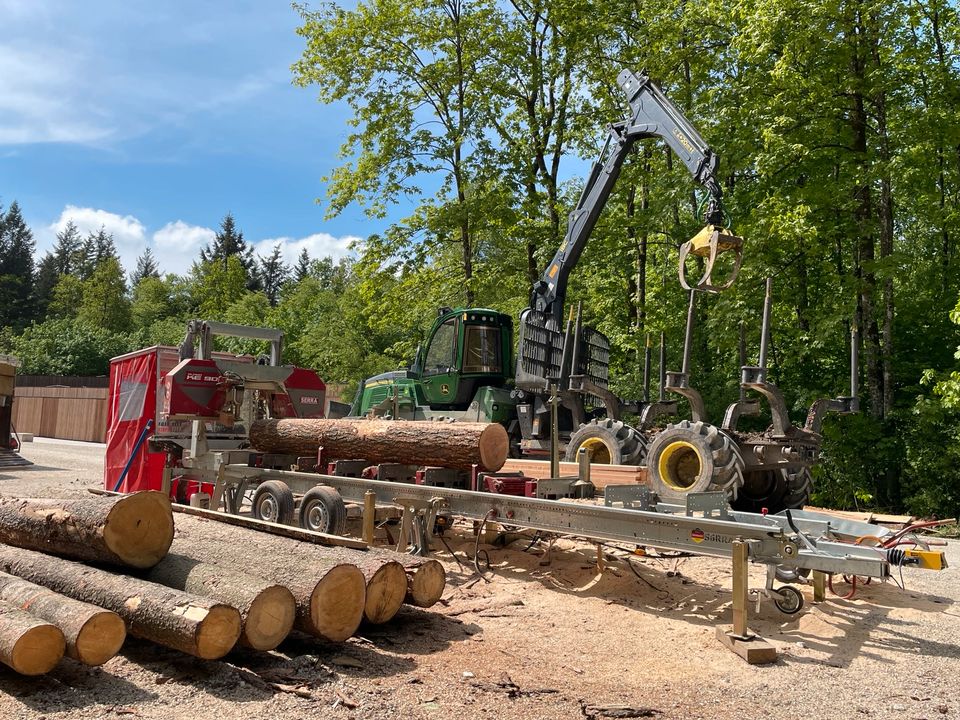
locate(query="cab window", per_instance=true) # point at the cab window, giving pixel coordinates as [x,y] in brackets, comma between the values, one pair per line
[481,349]
[441,356]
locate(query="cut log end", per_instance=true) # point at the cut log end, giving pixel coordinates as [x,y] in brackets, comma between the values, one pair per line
[139,529]
[337,603]
[269,619]
[385,593]
[427,584]
[100,638]
[38,650]
[218,632]
[494,447]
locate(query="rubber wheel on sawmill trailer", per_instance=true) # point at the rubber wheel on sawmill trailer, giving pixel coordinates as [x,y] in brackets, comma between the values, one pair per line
[273,502]
[691,457]
[322,510]
[608,442]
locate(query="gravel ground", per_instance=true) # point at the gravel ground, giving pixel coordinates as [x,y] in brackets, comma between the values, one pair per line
[536,641]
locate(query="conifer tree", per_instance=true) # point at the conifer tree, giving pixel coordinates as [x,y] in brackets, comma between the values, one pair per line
[16,270]
[146,267]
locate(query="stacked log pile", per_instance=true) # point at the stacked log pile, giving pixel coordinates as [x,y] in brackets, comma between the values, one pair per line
[212,587]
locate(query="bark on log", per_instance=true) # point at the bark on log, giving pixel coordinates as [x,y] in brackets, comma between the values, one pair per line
[454,445]
[134,530]
[384,577]
[267,610]
[195,625]
[29,645]
[330,592]
[93,635]
[426,577]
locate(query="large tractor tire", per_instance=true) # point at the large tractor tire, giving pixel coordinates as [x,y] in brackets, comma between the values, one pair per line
[692,457]
[774,490]
[762,490]
[608,442]
[798,485]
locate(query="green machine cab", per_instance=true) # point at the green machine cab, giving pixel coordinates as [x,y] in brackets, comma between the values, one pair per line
[463,372]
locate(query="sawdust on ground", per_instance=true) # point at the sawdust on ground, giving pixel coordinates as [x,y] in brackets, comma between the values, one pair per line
[535,640]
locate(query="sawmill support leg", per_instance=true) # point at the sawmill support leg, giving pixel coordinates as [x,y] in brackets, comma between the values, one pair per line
[748,645]
[819,586]
[369,516]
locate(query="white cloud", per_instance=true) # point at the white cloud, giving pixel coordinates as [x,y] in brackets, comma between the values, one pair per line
[39,101]
[182,238]
[317,245]
[129,234]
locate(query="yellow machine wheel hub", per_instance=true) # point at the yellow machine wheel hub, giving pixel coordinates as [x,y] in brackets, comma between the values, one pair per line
[680,465]
[599,451]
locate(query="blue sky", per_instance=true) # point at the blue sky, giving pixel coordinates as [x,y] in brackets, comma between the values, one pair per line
[154,119]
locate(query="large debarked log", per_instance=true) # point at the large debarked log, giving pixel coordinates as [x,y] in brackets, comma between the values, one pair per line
[93,635]
[29,645]
[330,592]
[195,625]
[454,445]
[134,530]
[267,610]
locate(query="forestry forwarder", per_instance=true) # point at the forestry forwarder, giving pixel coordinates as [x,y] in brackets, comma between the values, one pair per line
[561,371]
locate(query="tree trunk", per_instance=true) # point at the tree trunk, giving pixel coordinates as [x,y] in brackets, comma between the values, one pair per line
[454,445]
[426,578]
[134,530]
[28,644]
[267,610]
[385,579]
[93,635]
[188,623]
[330,591]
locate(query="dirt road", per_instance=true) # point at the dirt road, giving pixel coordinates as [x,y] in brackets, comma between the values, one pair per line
[536,641]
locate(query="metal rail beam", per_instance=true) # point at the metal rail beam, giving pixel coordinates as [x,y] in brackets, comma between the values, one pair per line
[767,542]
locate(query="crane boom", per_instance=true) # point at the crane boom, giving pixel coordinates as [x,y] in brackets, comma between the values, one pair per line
[652,115]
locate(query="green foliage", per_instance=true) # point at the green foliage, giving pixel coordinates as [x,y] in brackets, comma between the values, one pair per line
[104,302]
[216,285]
[67,347]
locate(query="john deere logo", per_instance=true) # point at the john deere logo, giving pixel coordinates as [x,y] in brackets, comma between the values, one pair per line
[444,389]
[696,535]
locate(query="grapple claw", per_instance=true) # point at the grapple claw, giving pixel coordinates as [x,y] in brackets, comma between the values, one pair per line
[708,244]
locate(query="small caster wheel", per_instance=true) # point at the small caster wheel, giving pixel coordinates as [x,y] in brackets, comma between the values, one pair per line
[788,600]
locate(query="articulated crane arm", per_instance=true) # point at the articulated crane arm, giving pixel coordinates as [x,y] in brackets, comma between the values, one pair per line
[651,115]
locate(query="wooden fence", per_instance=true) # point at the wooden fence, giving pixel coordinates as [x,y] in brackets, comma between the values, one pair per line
[70,413]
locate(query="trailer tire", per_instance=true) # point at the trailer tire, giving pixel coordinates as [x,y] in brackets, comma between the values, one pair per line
[273,502]
[691,457]
[610,442]
[322,510]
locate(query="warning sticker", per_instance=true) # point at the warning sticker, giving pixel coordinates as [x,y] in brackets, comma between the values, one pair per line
[696,535]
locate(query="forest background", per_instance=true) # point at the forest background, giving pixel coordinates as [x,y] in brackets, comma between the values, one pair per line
[837,126]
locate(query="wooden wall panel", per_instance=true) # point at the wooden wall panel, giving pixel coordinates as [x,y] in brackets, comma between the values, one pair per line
[68,413]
